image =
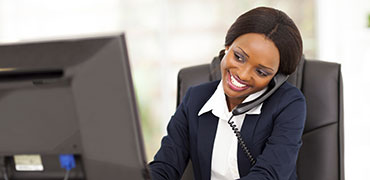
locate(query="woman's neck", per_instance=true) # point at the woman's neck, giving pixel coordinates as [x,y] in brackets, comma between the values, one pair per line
[233,102]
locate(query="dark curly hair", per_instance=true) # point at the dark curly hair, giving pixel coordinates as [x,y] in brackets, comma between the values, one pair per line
[275,25]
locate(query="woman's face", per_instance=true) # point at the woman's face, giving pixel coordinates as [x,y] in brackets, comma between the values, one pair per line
[248,66]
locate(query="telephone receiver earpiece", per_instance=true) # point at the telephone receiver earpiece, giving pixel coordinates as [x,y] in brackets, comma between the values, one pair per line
[277,81]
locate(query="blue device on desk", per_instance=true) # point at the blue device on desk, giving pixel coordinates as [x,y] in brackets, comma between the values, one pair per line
[70,97]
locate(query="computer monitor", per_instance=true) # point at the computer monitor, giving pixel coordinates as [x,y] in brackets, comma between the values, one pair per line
[71,96]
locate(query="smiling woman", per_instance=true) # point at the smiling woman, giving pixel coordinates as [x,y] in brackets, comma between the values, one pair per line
[251,63]
[262,44]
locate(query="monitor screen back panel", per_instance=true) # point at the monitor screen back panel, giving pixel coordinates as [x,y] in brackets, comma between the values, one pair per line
[90,111]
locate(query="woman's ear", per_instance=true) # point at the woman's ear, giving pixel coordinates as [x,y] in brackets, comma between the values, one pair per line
[226,49]
[223,53]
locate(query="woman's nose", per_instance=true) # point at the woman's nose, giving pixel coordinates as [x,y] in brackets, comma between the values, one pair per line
[245,75]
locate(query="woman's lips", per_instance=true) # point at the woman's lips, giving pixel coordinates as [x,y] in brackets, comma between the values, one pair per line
[236,84]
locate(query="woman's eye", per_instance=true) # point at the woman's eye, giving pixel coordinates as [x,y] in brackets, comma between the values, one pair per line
[261,72]
[238,57]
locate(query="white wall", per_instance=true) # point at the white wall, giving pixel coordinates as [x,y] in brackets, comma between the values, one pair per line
[343,37]
[27,20]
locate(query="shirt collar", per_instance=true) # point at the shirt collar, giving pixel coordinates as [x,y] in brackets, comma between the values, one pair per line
[217,103]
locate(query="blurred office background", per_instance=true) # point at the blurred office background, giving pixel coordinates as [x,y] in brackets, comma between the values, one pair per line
[166,35]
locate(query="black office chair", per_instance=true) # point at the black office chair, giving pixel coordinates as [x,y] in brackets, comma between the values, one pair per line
[321,155]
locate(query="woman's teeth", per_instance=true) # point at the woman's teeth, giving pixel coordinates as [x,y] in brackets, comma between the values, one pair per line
[236,83]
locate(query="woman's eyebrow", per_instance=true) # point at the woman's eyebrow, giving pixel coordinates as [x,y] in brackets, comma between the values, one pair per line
[243,52]
[266,67]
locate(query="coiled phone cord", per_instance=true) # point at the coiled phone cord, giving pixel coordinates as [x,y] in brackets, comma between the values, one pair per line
[241,141]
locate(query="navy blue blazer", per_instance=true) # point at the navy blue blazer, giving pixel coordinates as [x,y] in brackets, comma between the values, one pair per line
[273,137]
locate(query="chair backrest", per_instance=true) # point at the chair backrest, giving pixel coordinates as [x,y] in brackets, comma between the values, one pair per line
[321,156]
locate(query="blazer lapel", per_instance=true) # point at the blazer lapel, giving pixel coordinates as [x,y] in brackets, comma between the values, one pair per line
[247,131]
[206,135]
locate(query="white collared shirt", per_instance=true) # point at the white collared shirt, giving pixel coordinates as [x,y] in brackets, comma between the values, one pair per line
[224,155]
